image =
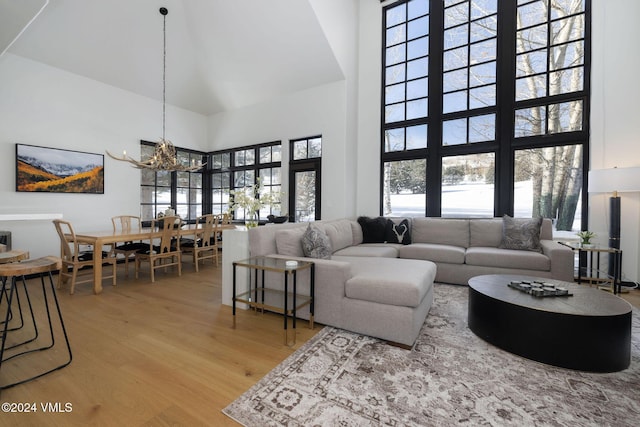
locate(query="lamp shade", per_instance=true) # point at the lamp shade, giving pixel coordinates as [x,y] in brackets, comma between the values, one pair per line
[614,180]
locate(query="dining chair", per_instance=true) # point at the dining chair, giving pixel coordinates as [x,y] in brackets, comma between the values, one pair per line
[223,219]
[75,259]
[127,224]
[204,244]
[167,252]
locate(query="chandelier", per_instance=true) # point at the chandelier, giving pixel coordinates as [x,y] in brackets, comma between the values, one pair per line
[164,156]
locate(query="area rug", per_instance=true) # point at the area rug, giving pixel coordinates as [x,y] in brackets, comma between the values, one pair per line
[451,377]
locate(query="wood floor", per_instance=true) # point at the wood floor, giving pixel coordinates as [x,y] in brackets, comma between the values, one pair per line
[154,355]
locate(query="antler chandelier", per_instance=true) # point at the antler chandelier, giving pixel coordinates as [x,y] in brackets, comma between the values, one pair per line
[164,156]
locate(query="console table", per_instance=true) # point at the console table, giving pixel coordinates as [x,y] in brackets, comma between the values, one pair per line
[285,302]
[592,273]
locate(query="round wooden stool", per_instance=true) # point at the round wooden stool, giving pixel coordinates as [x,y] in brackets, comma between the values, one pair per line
[17,271]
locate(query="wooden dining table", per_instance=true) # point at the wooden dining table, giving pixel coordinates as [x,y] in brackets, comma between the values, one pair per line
[98,239]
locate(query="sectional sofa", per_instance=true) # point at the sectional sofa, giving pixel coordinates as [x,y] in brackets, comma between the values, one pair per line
[385,289]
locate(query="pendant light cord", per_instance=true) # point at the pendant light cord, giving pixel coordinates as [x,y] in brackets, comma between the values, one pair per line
[164,12]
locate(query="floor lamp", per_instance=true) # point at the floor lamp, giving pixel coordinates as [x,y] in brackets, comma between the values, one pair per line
[614,180]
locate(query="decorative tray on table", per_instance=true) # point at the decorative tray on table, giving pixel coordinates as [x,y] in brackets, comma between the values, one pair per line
[539,289]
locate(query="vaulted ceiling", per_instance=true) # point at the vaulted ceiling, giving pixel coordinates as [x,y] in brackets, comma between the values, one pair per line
[221,54]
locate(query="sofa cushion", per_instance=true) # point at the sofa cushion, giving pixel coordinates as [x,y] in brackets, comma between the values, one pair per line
[289,241]
[442,231]
[398,232]
[398,282]
[386,250]
[316,243]
[339,232]
[507,258]
[521,233]
[485,232]
[356,231]
[372,229]
[432,252]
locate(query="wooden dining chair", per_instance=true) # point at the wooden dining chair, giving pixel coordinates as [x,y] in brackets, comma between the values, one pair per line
[74,259]
[127,224]
[204,244]
[167,252]
[223,219]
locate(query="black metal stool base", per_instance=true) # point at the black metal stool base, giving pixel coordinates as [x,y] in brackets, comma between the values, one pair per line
[50,302]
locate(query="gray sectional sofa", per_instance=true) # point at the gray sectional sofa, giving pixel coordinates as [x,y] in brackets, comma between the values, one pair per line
[386,289]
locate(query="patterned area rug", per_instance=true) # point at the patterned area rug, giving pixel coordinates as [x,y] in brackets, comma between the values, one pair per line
[451,377]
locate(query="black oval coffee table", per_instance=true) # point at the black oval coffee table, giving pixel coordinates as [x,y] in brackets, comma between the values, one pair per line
[589,331]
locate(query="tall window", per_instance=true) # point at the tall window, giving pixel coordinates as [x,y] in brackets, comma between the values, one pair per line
[484,108]
[304,179]
[244,167]
[220,182]
[180,190]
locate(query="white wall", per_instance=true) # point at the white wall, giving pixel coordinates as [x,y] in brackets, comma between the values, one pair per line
[615,118]
[42,105]
[318,111]
[330,110]
[369,97]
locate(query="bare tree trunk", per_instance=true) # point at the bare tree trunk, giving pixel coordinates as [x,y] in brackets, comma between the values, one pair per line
[569,206]
[546,187]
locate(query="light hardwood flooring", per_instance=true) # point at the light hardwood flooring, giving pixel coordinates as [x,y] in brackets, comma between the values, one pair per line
[152,354]
[155,354]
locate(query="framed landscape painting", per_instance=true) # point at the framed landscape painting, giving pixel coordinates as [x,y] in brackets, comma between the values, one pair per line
[53,170]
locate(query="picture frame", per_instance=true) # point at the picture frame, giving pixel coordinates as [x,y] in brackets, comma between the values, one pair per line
[56,170]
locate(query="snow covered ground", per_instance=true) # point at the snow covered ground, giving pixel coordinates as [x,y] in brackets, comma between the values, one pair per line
[472,201]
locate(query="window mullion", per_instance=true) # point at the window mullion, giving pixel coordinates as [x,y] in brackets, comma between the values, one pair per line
[434,163]
[505,113]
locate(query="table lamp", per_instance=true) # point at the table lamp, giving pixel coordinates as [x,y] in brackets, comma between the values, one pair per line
[615,180]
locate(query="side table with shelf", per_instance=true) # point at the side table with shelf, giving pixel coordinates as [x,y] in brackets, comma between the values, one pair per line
[285,302]
[589,268]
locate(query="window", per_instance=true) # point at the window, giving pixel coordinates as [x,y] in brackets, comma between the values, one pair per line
[244,167]
[162,189]
[188,188]
[304,179]
[468,185]
[484,108]
[220,182]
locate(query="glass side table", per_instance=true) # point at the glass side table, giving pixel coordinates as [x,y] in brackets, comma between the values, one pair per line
[285,302]
[591,272]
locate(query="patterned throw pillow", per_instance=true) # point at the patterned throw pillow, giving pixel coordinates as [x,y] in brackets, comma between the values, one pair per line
[398,233]
[316,243]
[521,233]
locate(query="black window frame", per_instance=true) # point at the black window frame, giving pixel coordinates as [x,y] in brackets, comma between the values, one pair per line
[506,143]
[305,164]
[237,164]
[173,185]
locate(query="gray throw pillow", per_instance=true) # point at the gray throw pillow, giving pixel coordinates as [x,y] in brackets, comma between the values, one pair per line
[316,243]
[521,233]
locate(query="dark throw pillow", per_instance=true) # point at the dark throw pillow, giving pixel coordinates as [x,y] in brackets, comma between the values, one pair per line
[398,233]
[316,243]
[373,229]
[521,233]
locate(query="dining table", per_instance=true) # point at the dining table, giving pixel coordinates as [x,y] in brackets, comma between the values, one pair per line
[99,239]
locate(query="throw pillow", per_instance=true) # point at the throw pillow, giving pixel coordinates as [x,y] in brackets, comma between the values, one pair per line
[316,243]
[398,233]
[521,233]
[373,229]
[288,241]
